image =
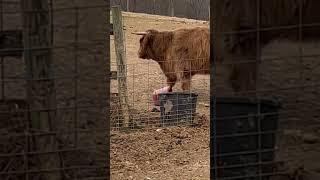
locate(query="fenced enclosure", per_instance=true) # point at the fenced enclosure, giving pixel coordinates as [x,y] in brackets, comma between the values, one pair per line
[145,76]
[270,131]
[153,144]
[53,90]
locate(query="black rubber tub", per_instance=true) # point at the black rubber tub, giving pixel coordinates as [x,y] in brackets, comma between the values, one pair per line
[243,144]
[177,107]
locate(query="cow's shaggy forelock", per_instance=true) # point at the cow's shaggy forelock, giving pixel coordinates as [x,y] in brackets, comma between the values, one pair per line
[154,44]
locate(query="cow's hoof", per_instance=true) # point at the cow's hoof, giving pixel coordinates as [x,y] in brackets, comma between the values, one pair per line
[155,110]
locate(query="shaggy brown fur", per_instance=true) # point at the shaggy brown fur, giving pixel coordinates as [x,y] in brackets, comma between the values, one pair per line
[181,53]
[235,15]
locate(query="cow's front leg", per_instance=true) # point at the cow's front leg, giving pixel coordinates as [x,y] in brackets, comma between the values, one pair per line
[186,81]
[171,81]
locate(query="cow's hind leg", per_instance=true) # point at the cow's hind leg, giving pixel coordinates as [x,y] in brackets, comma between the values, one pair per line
[186,84]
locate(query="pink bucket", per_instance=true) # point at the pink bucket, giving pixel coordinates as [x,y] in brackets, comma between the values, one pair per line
[155,95]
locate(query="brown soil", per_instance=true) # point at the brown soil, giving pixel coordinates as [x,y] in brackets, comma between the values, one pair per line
[166,153]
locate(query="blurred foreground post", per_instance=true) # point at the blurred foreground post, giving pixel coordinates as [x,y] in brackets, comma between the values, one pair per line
[40,83]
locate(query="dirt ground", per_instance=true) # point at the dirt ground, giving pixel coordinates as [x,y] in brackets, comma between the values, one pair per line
[166,153]
[183,152]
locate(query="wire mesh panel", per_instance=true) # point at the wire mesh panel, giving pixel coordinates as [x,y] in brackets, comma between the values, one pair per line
[271,48]
[53,90]
[167,135]
[144,76]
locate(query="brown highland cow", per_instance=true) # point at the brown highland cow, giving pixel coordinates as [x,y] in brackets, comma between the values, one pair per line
[181,53]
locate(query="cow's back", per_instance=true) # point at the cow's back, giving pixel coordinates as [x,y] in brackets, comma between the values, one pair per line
[195,42]
[191,47]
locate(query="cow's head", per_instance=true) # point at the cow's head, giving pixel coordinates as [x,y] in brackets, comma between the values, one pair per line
[153,44]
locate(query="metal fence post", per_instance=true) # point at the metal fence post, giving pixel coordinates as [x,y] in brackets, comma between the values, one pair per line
[128,5]
[171,8]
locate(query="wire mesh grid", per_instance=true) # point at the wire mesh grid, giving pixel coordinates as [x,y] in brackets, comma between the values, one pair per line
[273,133]
[159,144]
[49,114]
[145,76]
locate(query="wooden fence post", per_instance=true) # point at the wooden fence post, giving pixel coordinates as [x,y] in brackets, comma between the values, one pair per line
[40,82]
[121,63]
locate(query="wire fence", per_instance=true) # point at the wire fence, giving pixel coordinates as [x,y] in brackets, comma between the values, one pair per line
[145,76]
[54,109]
[163,126]
[273,134]
[53,90]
